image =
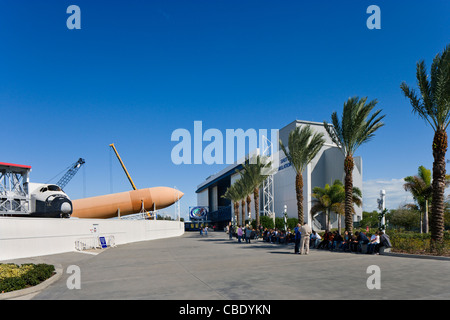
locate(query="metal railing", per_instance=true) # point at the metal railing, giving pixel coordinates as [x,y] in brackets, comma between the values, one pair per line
[90,243]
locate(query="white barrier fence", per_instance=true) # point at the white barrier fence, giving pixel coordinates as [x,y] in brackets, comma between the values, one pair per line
[94,243]
[31,237]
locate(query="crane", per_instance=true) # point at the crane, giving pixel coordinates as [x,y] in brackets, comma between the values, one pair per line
[149,216]
[123,166]
[73,169]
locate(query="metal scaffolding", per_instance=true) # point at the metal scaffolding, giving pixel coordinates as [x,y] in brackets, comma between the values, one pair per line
[268,189]
[14,195]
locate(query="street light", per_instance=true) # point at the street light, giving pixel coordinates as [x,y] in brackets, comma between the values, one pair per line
[285,217]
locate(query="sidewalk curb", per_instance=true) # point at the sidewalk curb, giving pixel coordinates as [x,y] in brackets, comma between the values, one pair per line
[416,256]
[35,289]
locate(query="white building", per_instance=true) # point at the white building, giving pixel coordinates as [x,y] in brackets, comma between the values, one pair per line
[326,167]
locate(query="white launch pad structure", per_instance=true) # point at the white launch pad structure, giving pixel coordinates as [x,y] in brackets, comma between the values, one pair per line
[14,193]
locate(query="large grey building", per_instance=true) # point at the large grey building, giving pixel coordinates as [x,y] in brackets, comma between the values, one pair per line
[325,168]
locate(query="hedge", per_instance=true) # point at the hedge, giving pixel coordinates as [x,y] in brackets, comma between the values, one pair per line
[15,277]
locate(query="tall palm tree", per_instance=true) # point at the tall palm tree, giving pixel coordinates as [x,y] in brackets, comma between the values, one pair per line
[355,128]
[255,173]
[331,199]
[244,192]
[303,146]
[433,105]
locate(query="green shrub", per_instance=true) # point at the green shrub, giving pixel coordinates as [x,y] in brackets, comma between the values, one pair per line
[14,277]
[266,222]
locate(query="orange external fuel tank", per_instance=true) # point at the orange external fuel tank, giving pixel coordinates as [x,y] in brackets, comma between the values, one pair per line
[129,202]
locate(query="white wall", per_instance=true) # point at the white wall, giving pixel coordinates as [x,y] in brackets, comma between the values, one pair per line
[31,237]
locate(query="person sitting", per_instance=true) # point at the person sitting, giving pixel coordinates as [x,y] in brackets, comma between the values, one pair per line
[385,242]
[330,240]
[325,241]
[374,240]
[337,241]
[346,240]
[353,243]
[282,239]
[273,236]
[253,234]
[315,239]
[362,239]
[318,239]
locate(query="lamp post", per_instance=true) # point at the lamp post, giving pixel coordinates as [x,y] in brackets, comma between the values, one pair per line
[382,207]
[285,217]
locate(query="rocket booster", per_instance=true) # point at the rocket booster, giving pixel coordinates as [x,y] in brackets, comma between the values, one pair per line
[129,202]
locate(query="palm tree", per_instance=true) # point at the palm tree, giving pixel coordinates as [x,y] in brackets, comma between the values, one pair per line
[433,105]
[354,129]
[243,191]
[421,190]
[356,198]
[233,195]
[303,147]
[255,173]
[331,199]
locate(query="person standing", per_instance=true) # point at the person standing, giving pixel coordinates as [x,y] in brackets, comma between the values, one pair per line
[248,234]
[305,236]
[239,233]
[297,238]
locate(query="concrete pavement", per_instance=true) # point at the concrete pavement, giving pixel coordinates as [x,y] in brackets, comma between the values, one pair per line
[192,267]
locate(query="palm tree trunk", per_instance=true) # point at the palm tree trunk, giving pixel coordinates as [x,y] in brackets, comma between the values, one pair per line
[299,193]
[437,209]
[339,222]
[256,198]
[348,168]
[249,201]
[236,212]
[243,212]
[328,219]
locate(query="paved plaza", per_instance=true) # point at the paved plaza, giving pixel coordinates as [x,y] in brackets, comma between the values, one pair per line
[192,267]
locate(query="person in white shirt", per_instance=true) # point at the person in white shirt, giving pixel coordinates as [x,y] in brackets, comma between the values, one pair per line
[374,240]
[304,242]
[315,239]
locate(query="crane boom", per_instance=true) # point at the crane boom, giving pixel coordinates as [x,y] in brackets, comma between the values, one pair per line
[123,166]
[73,169]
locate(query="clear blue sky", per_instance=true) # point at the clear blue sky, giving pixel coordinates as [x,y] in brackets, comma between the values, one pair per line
[138,70]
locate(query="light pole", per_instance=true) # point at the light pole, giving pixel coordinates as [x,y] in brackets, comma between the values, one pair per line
[382,207]
[285,217]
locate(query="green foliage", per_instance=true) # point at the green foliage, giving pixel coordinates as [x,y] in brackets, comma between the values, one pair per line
[407,219]
[417,243]
[266,222]
[369,219]
[15,277]
[292,223]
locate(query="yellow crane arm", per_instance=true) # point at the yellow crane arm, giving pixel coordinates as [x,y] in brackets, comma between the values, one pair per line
[123,166]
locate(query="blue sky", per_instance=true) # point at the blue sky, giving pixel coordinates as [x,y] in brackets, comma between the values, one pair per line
[138,70]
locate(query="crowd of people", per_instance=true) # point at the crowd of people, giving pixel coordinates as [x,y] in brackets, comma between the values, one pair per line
[357,242]
[305,238]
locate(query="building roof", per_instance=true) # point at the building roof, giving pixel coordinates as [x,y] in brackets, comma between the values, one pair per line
[213,179]
[12,165]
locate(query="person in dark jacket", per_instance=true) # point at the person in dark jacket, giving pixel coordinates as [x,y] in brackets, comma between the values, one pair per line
[385,241]
[298,237]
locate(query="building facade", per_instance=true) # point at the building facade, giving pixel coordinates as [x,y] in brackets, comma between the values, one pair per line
[325,168]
